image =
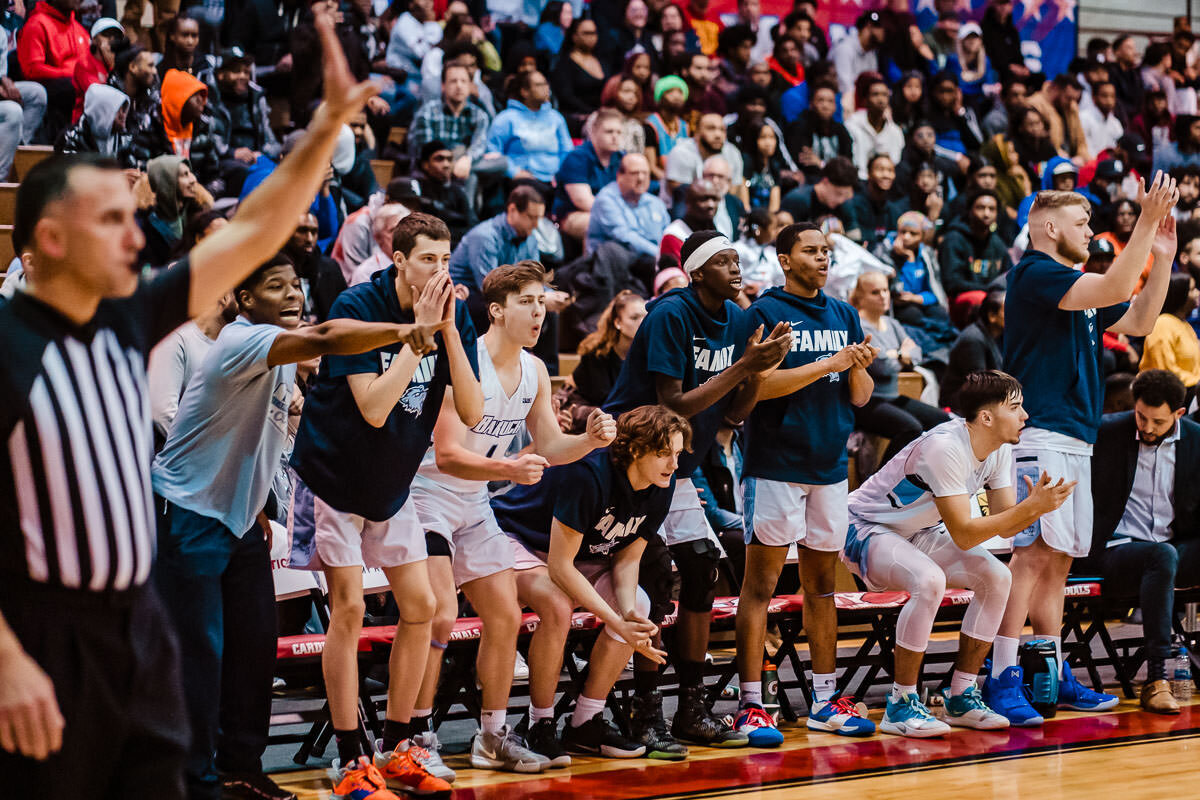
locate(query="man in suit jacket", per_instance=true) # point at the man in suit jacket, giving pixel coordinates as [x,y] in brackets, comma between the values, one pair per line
[1147,504]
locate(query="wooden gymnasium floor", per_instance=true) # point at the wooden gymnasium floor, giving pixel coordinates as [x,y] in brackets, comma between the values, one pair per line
[1125,754]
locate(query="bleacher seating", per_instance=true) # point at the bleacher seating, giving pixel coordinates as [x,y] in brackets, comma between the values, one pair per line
[27,157]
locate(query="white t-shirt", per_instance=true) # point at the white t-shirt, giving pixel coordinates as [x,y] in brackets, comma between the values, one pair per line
[940,463]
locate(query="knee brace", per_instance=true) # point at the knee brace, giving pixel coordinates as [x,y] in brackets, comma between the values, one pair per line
[697,565]
[656,578]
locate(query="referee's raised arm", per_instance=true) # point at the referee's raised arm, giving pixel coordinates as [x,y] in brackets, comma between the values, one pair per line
[267,217]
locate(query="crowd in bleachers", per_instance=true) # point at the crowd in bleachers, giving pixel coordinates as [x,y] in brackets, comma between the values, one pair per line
[596,138]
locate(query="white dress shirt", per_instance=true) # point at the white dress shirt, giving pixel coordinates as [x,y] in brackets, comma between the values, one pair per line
[1151,506]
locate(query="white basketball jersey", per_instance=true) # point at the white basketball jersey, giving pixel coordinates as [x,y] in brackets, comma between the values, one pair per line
[503,417]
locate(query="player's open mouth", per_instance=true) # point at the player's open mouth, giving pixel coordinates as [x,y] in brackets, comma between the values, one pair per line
[289,314]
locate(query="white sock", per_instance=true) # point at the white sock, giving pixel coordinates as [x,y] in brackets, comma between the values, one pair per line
[751,693]
[1004,654]
[1057,650]
[585,709]
[538,714]
[900,690]
[422,712]
[492,721]
[824,686]
[961,681]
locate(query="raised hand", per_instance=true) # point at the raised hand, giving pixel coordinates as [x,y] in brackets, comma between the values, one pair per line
[1158,200]
[430,306]
[1165,241]
[343,95]
[601,428]
[762,355]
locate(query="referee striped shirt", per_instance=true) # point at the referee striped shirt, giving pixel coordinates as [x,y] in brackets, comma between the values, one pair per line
[76,507]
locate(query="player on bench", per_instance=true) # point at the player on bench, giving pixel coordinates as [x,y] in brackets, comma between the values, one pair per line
[578,537]
[911,529]
[466,547]
[794,477]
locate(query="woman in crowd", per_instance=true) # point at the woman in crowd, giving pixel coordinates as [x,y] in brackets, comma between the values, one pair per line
[616,44]
[579,76]
[557,18]
[601,355]
[763,163]
[623,94]
[889,413]
[909,104]
[529,132]
[177,194]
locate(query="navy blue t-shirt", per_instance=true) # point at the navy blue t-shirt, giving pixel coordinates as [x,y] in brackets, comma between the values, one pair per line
[348,463]
[801,437]
[582,165]
[1055,354]
[592,496]
[679,338]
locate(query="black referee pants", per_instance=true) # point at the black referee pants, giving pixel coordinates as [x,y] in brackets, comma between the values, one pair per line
[114,662]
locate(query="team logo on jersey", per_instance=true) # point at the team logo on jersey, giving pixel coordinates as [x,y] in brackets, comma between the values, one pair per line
[813,341]
[614,531]
[490,426]
[413,399]
[278,412]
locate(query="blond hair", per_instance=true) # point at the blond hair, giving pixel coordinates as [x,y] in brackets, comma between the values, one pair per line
[1052,199]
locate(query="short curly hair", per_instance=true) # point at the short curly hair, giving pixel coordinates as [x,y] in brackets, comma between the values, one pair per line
[647,429]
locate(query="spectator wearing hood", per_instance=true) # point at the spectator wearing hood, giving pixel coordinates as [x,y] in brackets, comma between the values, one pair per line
[971,254]
[970,66]
[176,193]
[180,127]
[916,286]
[51,44]
[530,133]
[98,63]
[241,124]
[101,129]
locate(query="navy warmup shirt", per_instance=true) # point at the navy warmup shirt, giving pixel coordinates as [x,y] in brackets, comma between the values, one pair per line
[1055,354]
[679,338]
[592,496]
[345,461]
[801,437]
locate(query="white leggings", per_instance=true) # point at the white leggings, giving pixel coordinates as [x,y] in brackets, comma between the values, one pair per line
[924,566]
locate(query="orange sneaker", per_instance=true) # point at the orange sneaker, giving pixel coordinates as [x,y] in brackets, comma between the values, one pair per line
[359,780]
[402,769]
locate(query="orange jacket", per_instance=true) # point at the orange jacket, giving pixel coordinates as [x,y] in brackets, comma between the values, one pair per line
[177,88]
[50,44]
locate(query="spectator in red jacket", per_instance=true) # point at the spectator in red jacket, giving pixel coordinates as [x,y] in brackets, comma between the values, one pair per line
[98,63]
[49,47]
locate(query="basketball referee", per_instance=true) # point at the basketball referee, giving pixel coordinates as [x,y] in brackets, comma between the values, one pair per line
[90,699]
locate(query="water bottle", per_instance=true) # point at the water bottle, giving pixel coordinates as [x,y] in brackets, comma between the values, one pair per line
[1181,670]
[770,690]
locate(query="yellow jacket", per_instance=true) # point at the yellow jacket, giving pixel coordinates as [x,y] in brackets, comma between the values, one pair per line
[1173,346]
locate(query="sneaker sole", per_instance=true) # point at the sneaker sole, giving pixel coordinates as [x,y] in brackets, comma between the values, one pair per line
[900,729]
[727,744]
[562,762]
[1105,706]
[607,751]
[481,762]
[824,727]
[959,722]
[666,755]
[774,739]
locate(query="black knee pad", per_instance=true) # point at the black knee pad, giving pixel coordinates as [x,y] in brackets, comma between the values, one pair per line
[436,545]
[656,578]
[697,564]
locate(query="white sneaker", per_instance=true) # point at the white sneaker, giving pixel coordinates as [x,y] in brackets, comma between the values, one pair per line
[908,716]
[967,710]
[520,668]
[505,751]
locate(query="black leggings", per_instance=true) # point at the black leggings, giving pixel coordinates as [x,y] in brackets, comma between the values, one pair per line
[901,420]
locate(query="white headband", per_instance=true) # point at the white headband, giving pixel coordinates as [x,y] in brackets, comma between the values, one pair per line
[706,251]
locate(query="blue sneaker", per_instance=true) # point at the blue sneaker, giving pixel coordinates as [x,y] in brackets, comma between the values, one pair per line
[1006,696]
[908,716]
[1074,695]
[967,710]
[758,726]
[840,715]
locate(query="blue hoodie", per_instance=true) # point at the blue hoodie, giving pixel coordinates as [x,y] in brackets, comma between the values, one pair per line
[1047,184]
[534,141]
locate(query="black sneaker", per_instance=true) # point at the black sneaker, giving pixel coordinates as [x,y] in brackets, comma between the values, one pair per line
[695,724]
[252,786]
[599,737]
[542,738]
[646,724]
